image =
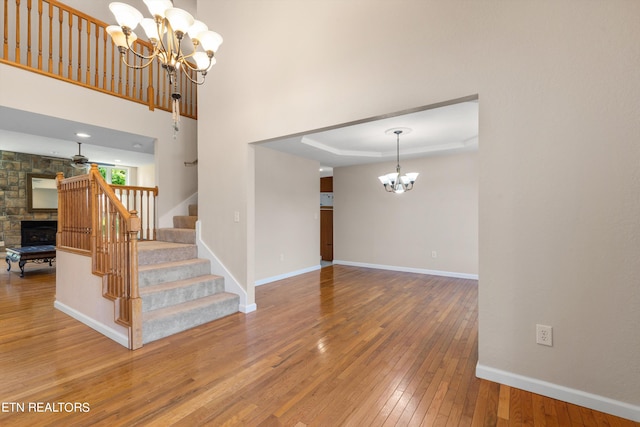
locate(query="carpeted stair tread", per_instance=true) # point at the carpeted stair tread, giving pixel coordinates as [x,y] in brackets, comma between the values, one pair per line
[170,293]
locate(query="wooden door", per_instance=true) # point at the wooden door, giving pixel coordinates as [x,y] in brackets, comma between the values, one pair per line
[326,234]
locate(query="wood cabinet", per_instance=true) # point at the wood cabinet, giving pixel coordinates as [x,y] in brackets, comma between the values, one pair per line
[326,222]
[326,184]
[326,234]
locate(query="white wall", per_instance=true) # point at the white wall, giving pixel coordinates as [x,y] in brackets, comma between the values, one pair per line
[558,85]
[100,9]
[79,294]
[287,214]
[401,231]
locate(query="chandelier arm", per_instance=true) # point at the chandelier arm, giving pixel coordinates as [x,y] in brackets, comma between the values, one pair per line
[161,27]
[130,47]
[191,79]
[186,63]
[136,67]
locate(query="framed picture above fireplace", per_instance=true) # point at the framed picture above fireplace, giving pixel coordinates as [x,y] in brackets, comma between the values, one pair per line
[42,193]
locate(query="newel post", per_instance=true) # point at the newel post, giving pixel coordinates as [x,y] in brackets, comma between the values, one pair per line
[61,210]
[135,330]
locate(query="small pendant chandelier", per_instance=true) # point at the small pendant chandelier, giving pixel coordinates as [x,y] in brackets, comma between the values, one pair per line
[395,182]
[165,32]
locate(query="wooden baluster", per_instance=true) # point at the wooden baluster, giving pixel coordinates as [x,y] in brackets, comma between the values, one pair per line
[60,48]
[131,73]
[50,64]
[104,62]
[77,225]
[155,210]
[70,66]
[148,213]
[150,98]
[29,60]
[39,34]
[17,51]
[5,45]
[164,91]
[72,214]
[69,221]
[120,77]
[79,72]
[141,78]
[96,78]
[88,76]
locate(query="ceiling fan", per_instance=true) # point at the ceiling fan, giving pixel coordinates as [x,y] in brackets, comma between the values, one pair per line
[79,161]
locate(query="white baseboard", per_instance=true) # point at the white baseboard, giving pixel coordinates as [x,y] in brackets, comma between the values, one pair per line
[555,391]
[93,324]
[286,275]
[409,269]
[217,267]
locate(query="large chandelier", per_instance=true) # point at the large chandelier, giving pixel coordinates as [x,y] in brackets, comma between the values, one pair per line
[165,32]
[395,182]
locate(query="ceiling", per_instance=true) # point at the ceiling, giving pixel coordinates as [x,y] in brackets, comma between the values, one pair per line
[449,127]
[426,131]
[25,132]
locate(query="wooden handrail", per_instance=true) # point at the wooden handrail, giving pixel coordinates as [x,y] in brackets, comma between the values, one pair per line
[74,47]
[92,221]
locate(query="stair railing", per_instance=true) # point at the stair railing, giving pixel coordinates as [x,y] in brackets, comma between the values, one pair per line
[92,221]
[50,38]
[142,200]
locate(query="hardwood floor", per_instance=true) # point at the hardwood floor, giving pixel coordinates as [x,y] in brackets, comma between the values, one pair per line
[342,346]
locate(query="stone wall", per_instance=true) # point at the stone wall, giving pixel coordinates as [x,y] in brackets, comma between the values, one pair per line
[14,168]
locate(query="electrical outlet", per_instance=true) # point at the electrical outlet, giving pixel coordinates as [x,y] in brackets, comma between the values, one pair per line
[236,216]
[544,335]
[434,254]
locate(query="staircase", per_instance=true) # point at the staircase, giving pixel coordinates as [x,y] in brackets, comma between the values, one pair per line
[177,288]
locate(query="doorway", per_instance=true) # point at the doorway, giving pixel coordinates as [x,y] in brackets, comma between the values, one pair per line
[326,219]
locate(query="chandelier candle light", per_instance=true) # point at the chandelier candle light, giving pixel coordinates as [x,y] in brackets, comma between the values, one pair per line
[165,32]
[395,182]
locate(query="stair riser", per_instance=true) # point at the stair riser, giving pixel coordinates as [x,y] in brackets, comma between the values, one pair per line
[164,275]
[160,328]
[157,300]
[185,222]
[157,256]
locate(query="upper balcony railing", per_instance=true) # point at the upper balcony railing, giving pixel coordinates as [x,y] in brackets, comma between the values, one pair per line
[53,39]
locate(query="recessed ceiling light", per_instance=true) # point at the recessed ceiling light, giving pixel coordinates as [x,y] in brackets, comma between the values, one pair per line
[137,145]
[117,160]
[83,135]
